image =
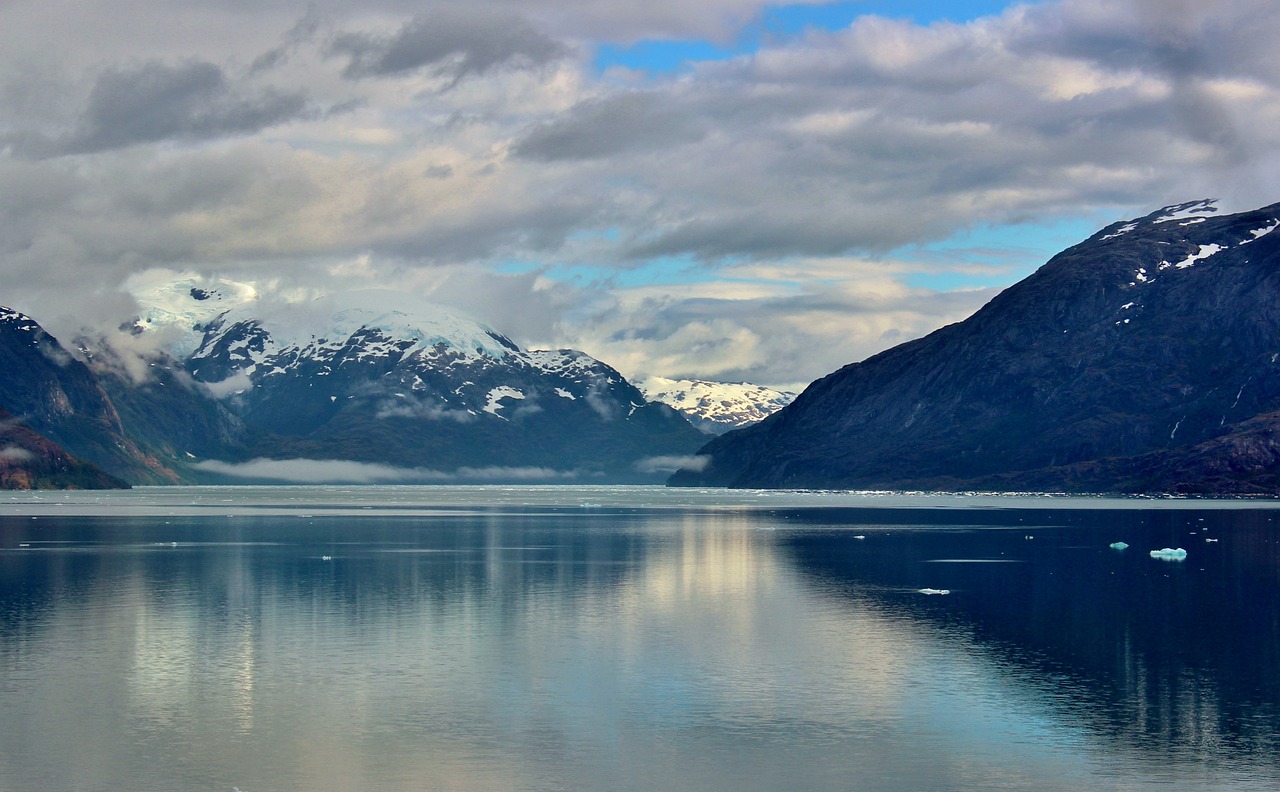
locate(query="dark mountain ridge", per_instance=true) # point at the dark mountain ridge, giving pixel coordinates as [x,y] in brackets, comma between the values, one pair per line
[1142,359]
[61,399]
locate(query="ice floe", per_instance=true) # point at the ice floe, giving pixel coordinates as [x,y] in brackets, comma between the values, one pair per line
[1169,553]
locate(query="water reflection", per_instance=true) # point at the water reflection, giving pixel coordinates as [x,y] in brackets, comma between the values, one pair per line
[629,649]
[1174,661]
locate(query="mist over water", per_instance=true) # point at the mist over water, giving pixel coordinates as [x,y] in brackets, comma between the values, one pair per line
[633,638]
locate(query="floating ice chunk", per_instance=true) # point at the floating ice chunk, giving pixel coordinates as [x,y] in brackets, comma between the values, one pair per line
[934,591]
[1118,545]
[1170,553]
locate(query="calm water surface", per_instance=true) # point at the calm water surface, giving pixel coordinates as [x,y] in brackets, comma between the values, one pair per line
[572,638]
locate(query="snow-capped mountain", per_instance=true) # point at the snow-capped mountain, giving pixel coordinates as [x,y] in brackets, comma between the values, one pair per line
[1146,358]
[716,407]
[364,386]
[387,378]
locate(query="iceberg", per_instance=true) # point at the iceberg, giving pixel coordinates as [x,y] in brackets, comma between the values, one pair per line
[1118,545]
[934,591]
[1170,553]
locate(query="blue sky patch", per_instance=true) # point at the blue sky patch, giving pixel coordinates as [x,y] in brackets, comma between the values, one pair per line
[782,22]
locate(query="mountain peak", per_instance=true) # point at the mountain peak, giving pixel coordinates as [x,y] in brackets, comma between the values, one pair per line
[716,407]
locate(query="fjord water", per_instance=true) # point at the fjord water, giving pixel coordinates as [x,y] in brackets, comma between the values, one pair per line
[395,638]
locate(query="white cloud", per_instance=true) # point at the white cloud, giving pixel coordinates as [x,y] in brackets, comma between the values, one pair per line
[670,464]
[337,471]
[14,454]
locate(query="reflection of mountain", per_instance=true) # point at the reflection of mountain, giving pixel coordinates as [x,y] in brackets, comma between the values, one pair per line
[676,648]
[1175,657]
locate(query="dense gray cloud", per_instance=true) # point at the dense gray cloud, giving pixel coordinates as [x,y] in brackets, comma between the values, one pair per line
[601,127]
[158,101]
[454,43]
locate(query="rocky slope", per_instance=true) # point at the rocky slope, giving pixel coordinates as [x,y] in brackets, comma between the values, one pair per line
[29,461]
[716,407]
[60,398]
[1146,358]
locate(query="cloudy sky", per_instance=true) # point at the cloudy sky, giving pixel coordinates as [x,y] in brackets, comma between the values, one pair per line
[725,189]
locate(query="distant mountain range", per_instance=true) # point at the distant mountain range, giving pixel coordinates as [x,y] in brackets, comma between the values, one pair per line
[1144,359]
[716,407]
[366,387]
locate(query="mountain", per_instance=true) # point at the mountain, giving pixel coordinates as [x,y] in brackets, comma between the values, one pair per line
[1143,359]
[61,399]
[716,407]
[29,461]
[384,378]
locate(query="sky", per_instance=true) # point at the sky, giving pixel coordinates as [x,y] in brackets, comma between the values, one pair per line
[737,190]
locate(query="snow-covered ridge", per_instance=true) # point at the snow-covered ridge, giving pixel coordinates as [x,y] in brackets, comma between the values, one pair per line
[364,324]
[716,406]
[8,314]
[1185,213]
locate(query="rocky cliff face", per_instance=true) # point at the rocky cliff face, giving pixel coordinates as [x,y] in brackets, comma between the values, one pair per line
[1145,358]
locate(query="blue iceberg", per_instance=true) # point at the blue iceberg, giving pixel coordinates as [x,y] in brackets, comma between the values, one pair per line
[1170,553]
[1118,545]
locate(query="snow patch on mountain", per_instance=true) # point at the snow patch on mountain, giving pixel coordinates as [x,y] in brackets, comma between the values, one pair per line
[19,320]
[716,407]
[1193,211]
[498,394]
[1259,233]
[1203,253]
